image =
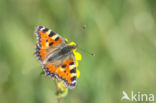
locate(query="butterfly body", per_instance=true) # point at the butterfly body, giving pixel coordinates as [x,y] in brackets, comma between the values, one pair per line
[56,56]
[62,53]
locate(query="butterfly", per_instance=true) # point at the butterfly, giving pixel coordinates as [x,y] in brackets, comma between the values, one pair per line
[56,56]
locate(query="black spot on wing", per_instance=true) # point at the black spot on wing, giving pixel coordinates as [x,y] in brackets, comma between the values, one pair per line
[52,34]
[73,78]
[57,39]
[71,63]
[63,66]
[50,44]
[73,70]
[45,30]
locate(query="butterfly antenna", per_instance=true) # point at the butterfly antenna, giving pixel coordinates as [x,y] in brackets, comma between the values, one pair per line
[86,51]
[83,29]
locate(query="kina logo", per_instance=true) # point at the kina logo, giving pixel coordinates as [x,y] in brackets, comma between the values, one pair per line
[141,97]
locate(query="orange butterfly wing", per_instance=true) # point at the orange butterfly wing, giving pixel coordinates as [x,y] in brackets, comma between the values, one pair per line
[46,39]
[66,72]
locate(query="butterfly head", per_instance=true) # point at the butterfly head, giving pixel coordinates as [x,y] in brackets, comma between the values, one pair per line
[72,47]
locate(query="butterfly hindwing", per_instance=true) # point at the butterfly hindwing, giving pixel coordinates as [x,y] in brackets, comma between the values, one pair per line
[67,72]
[63,69]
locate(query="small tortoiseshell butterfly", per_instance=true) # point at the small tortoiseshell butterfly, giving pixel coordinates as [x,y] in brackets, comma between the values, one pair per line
[56,56]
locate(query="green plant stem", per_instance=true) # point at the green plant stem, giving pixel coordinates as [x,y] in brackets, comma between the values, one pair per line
[59,100]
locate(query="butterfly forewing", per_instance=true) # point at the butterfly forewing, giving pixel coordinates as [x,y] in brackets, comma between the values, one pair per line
[48,41]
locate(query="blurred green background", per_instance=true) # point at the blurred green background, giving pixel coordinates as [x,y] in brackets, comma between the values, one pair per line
[122,34]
